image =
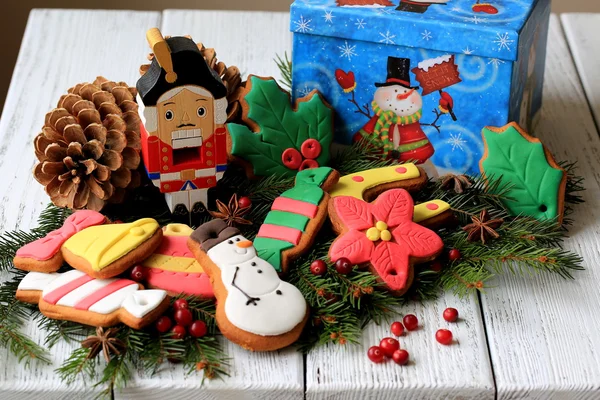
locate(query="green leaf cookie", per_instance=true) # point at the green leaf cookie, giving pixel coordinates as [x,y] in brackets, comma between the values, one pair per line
[278,127]
[537,183]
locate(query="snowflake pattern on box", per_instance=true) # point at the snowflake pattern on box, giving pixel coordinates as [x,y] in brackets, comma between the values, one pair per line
[360,36]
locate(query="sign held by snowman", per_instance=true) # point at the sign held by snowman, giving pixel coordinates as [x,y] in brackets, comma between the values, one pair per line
[395,126]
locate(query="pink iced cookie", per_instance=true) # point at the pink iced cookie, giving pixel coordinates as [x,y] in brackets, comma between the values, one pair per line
[43,255]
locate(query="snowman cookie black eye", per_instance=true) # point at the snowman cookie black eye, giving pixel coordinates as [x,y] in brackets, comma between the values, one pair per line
[230,241]
[201,112]
[253,264]
[237,239]
[169,115]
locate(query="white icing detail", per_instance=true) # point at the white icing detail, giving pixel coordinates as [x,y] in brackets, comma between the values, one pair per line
[142,302]
[274,314]
[74,297]
[221,111]
[37,281]
[199,173]
[115,300]
[429,63]
[63,279]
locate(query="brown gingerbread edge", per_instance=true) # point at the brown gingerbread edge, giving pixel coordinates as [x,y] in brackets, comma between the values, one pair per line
[137,255]
[29,264]
[562,188]
[246,340]
[253,125]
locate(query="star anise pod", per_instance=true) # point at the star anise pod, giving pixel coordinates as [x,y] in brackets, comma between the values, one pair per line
[231,213]
[458,182]
[105,341]
[483,227]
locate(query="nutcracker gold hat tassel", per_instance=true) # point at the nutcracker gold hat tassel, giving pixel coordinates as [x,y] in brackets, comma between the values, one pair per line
[162,52]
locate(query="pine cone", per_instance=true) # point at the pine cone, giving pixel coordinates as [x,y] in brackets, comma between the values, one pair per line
[88,149]
[229,75]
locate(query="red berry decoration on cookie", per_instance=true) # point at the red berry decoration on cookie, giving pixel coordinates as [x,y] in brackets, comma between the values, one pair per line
[244,202]
[343,266]
[308,164]
[411,322]
[454,255]
[311,148]
[443,336]
[197,329]
[450,314]
[178,332]
[400,357]
[291,158]
[318,268]
[389,345]
[137,273]
[375,354]
[180,303]
[183,317]
[397,328]
[163,324]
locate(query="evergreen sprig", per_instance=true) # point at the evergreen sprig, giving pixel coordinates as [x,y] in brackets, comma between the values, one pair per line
[285,67]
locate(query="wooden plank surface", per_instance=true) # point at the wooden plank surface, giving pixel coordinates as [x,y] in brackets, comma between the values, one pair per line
[581,31]
[543,330]
[60,49]
[251,46]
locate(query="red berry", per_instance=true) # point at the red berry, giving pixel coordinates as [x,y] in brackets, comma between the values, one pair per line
[411,322]
[343,266]
[454,254]
[183,317]
[375,354]
[450,314]
[178,332]
[443,336]
[397,328]
[180,303]
[244,202]
[137,273]
[197,329]
[400,357]
[318,267]
[389,345]
[436,266]
[163,324]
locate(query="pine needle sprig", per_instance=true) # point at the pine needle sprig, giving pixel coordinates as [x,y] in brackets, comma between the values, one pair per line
[285,68]
[358,157]
[77,365]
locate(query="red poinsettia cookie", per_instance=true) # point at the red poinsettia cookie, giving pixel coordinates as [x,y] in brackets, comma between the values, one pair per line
[382,234]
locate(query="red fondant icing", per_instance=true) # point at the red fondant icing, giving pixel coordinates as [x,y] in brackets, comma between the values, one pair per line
[401,170]
[311,148]
[54,296]
[358,178]
[391,259]
[180,282]
[47,247]
[432,206]
[295,206]
[291,158]
[101,293]
[175,246]
[308,164]
[284,233]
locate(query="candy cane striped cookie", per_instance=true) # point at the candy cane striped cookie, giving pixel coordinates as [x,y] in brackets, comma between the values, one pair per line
[75,296]
[44,255]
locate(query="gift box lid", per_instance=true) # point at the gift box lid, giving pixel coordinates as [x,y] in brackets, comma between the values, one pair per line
[487,28]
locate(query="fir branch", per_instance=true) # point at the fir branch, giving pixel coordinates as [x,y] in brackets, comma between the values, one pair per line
[285,68]
[358,157]
[78,364]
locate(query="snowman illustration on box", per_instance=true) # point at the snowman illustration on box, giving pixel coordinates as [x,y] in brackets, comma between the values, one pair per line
[183,106]
[396,126]
[252,301]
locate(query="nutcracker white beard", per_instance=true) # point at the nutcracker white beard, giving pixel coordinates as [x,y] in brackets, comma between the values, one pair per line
[402,101]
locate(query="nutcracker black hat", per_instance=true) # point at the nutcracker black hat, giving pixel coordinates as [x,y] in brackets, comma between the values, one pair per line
[213,233]
[177,62]
[398,73]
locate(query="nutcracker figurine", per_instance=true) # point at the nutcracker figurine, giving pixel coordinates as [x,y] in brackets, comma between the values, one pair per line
[183,106]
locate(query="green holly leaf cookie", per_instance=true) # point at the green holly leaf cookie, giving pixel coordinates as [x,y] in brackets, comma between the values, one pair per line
[280,139]
[537,183]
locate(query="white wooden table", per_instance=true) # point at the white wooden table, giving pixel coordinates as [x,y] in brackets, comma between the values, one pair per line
[527,338]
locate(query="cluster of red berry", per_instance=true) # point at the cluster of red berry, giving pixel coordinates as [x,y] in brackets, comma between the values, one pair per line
[342,266]
[390,347]
[184,320]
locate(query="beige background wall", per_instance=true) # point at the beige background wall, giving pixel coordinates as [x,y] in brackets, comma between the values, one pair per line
[14,17]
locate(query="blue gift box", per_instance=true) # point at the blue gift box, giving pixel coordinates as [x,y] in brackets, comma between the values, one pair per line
[420,78]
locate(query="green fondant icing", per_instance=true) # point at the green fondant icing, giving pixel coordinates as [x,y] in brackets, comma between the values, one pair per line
[284,218]
[280,127]
[534,183]
[307,193]
[314,176]
[270,250]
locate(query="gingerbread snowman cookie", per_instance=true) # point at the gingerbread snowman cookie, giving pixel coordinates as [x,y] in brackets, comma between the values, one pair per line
[255,309]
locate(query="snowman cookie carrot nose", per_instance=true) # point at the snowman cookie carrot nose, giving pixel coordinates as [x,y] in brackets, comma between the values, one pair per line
[255,309]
